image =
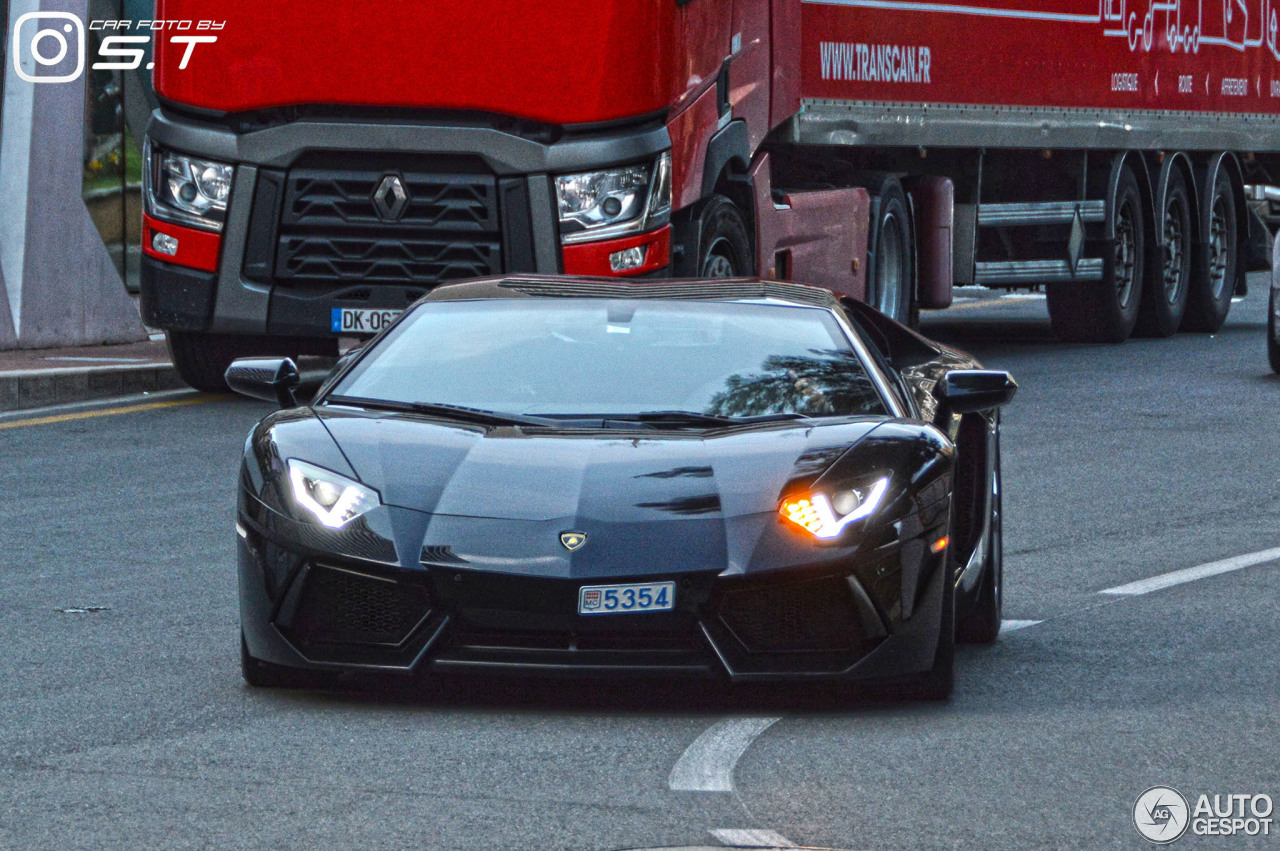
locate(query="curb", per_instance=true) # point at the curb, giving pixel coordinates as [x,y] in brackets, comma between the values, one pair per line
[37,388]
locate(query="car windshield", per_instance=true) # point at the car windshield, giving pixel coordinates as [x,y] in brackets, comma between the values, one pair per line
[619,358]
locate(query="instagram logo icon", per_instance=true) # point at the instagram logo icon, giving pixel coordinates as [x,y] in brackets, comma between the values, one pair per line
[44,40]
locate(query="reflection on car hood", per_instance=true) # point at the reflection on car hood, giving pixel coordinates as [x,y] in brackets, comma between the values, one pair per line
[500,499]
[506,474]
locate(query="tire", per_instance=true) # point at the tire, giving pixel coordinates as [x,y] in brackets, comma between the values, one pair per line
[1217,262]
[202,359]
[261,674]
[1168,282]
[939,681]
[1273,348]
[890,258]
[1106,311]
[725,248]
[981,624]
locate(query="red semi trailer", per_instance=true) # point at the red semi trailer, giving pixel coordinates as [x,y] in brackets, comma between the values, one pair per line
[318,168]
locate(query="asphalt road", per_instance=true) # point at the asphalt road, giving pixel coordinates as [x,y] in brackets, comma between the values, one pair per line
[127,726]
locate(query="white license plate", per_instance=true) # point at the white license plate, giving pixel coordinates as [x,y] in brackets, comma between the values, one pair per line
[353,320]
[626,599]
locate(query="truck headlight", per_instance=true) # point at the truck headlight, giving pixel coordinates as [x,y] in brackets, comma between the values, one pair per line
[186,190]
[332,499]
[826,516]
[599,204]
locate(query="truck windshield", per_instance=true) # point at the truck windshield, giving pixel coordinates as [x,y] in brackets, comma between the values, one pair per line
[616,358]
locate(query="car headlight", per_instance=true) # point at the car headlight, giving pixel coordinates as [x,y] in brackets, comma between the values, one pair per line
[332,499]
[597,204]
[826,516]
[186,190]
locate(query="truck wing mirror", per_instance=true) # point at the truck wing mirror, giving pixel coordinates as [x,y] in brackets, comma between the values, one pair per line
[967,391]
[272,379]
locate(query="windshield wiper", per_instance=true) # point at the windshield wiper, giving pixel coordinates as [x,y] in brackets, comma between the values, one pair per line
[694,418]
[460,413]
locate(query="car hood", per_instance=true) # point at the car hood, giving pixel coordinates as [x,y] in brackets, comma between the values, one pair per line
[499,499]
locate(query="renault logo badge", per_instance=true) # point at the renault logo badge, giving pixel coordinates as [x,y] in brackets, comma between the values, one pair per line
[572,540]
[390,198]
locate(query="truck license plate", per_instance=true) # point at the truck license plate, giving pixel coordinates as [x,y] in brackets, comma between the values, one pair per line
[626,599]
[352,320]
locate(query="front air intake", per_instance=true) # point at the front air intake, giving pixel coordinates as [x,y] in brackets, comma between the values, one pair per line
[340,606]
[812,616]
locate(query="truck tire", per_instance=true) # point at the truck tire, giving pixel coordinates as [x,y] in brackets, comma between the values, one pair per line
[1217,262]
[890,255]
[202,359]
[1164,300]
[723,242]
[1105,312]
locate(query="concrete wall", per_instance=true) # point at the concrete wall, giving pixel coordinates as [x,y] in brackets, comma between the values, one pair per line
[61,286]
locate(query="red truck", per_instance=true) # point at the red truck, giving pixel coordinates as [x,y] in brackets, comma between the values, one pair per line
[316,169]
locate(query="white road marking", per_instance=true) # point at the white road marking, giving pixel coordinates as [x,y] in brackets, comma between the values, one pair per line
[707,764]
[1191,574]
[751,838]
[1013,626]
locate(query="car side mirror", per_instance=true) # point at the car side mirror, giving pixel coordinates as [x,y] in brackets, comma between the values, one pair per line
[272,379]
[967,391]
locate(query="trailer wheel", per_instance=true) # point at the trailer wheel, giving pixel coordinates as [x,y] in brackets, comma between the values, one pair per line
[1164,301]
[890,270]
[1106,312]
[1218,261]
[202,359]
[726,249]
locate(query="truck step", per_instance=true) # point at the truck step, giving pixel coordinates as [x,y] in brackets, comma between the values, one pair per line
[1045,213]
[1024,272]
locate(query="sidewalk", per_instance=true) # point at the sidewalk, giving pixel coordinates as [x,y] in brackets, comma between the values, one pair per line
[33,378]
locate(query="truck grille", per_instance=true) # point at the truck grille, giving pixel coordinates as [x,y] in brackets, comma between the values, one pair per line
[331,229]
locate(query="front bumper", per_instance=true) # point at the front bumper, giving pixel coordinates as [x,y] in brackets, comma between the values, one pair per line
[308,610]
[297,242]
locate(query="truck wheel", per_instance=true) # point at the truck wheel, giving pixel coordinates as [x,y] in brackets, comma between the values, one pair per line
[202,359]
[1164,301]
[726,249]
[890,270]
[1273,347]
[1217,260]
[1106,312]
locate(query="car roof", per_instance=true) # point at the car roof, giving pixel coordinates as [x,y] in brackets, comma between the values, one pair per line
[741,290]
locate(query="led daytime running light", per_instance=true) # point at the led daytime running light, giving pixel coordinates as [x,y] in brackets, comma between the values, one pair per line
[815,514]
[353,499]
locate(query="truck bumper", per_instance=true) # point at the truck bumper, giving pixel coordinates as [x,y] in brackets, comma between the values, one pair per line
[287,260]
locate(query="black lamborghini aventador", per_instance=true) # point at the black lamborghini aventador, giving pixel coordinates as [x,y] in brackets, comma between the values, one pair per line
[741,479]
